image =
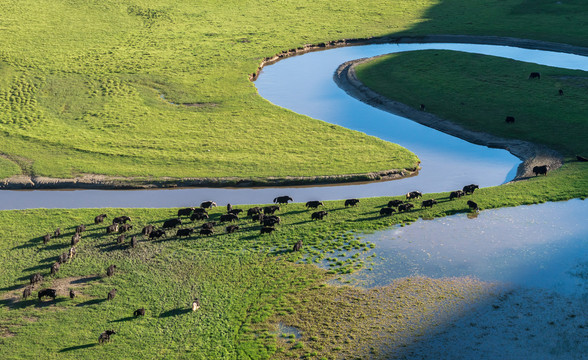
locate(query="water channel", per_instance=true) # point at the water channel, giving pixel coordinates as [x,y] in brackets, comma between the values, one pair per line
[304,84]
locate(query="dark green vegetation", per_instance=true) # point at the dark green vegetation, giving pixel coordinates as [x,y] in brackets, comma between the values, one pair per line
[81,82]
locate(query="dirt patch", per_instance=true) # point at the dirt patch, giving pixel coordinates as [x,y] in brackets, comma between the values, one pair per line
[5,332]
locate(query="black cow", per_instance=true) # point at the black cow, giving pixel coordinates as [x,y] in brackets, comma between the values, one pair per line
[121,220]
[351,202]
[387,211]
[208,204]
[395,203]
[46,238]
[100,218]
[456,194]
[133,241]
[560,92]
[428,203]
[184,232]
[473,205]
[232,228]
[510,120]
[63,258]
[111,294]
[267,230]
[535,75]
[297,246]
[228,217]
[270,209]
[229,208]
[26,292]
[318,215]
[235,211]
[72,294]
[200,210]
[55,268]
[209,225]
[105,336]
[139,312]
[540,170]
[124,228]
[75,239]
[110,270]
[422,107]
[413,195]
[156,234]
[270,221]
[405,207]
[80,229]
[185,212]
[254,211]
[171,223]
[112,228]
[57,232]
[257,217]
[199,216]
[52,293]
[314,204]
[120,239]
[147,230]
[207,232]
[35,278]
[282,200]
[469,189]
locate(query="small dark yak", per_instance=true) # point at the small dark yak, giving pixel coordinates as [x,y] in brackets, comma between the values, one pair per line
[428,203]
[282,200]
[540,170]
[387,211]
[351,202]
[318,215]
[105,336]
[52,293]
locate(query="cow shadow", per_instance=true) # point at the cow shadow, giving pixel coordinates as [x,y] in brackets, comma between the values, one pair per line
[43,304]
[91,302]
[79,347]
[13,287]
[87,279]
[174,312]
[35,268]
[128,318]
[18,303]
[57,246]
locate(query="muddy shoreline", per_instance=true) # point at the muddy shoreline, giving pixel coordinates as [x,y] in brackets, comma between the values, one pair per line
[530,154]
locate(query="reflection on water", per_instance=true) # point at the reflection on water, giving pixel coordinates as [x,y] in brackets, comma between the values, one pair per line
[538,246]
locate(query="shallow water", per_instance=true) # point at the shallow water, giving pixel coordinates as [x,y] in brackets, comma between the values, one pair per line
[538,246]
[304,84]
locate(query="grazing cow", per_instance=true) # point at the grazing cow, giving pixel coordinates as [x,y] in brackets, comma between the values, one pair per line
[269,221]
[351,202]
[75,239]
[121,220]
[171,223]
[110,270]
[209,225]
[124,228]
[57,232]
[195,305]
[456,194]
[35,278]
[473,205]
[510,120]
[540,170]
[184,232]
[111,294]
[314,204]
[55,268]
[156,234]
[235,211]
[63,258]
[469,189]
[185,211]
[200,210]
[207,232]
[297,246]
[199,216]
[80,229]
[105,336]
[581,158]
[229,208]
[112,228]
[387,211]
[120,239]
[139,312]
[535,75]
[46,238]
[273,218]
[100,218]
[26,292]
[72,252]
[72,294]
[133,241]
[282,200]
[257,217]
[208,204]
[395,203]
[560,92]
[228,217]
[232,228]
[318,215]
[405,207]
[422,107]
[267,230]
[270,209]
[413,195]
[52,293]
[254,211]
[428,203]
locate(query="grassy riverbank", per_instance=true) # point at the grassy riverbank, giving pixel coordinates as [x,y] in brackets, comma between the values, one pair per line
[143,88]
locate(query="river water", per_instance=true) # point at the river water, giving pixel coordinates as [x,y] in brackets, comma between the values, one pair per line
[304,84]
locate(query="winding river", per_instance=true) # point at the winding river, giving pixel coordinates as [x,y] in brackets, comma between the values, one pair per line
[304,84]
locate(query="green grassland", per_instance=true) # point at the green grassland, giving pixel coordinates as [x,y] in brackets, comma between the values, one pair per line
[81,83]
